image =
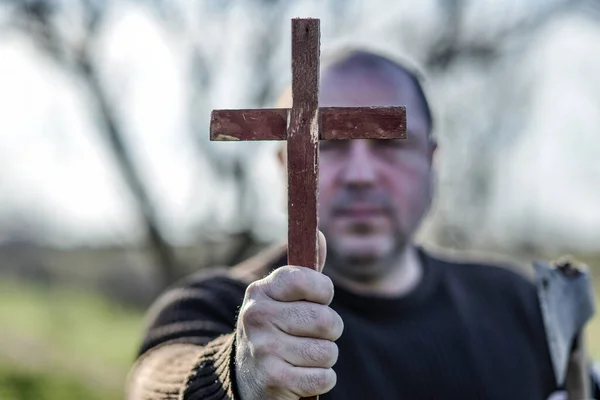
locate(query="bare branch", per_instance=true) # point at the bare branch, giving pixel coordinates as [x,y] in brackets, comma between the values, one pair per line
[37,17]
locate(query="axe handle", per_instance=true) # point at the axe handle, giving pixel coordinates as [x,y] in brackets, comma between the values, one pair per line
[578,383]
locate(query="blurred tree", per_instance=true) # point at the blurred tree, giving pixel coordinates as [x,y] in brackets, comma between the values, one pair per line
[236,54]
[41,19]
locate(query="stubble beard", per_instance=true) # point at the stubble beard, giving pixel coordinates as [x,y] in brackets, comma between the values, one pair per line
[365,269]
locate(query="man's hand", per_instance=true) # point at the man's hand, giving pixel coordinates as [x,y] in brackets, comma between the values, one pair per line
[285,335]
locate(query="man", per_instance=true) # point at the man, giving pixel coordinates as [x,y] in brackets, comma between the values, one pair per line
[402,324]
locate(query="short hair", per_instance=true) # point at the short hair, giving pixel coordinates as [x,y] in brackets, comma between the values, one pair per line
[364,60]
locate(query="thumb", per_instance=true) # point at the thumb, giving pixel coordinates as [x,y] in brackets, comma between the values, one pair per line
[321,251]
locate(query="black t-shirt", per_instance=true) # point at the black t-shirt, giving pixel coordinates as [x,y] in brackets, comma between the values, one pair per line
[467,332]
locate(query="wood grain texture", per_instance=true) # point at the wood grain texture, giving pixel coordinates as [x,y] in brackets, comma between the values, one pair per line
[259,124]
[363,123]
[336,123]
[303,145]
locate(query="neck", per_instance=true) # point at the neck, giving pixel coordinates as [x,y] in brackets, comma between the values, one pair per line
[401,278]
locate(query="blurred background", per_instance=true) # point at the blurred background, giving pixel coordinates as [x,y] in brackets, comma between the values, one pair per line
[110,189]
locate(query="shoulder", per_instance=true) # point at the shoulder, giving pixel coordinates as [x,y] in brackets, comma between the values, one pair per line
[240,275]
[200,288]
[482,267]
[499,288]
[203,304]
[491,277]
[260,265]
[219,283]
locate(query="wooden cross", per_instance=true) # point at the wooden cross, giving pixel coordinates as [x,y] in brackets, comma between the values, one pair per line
[302,126]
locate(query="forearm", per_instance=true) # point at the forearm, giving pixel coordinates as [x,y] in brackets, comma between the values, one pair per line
[185,371]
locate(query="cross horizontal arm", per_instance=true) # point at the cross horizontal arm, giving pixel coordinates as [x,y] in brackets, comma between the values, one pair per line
[336,123]
[363,123]
[264,124]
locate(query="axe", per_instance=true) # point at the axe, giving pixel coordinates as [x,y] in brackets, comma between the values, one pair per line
[567,301]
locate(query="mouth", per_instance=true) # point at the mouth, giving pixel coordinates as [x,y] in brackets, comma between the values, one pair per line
[360,212]
[362,219]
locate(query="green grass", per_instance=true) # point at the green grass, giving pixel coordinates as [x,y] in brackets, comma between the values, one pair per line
[64,340]
[18,383]
[593,330]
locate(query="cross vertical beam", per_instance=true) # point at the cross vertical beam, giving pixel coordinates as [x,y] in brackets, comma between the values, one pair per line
[303,145]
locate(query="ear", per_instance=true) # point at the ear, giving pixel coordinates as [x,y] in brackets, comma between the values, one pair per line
[433,146]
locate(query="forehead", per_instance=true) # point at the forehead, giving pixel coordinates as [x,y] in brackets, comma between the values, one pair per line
[366,90]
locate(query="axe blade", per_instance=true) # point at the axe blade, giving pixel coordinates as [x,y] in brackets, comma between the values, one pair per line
[567,301]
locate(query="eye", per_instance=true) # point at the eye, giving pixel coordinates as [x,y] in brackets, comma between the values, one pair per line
[325,145]
[328,145]
[391,143]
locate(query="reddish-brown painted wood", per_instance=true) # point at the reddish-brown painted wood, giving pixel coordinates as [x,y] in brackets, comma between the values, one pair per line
[335,123]
[363,123]
[268,124]
[303,145]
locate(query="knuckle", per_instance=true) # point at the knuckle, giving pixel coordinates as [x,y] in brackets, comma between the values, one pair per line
[310,353]
[303,315]
[281,281]
[254,290]
[319,353]
[295,315]
[323,322]
[254,314]
[327,323]
[320,381]
[265,347]
[332,353]
[338,326]
[329,380]
[296,279]
[328,288]
[282,273]
[309,315]
[275,377]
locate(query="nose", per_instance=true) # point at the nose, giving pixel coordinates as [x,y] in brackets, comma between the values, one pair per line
[359,169]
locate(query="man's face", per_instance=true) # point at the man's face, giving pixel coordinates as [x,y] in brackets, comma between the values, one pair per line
[372,193]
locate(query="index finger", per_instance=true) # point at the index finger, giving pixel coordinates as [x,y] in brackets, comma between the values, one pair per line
[292,283]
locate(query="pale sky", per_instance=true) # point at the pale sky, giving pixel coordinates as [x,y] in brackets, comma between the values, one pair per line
[54,162]
[55,167]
